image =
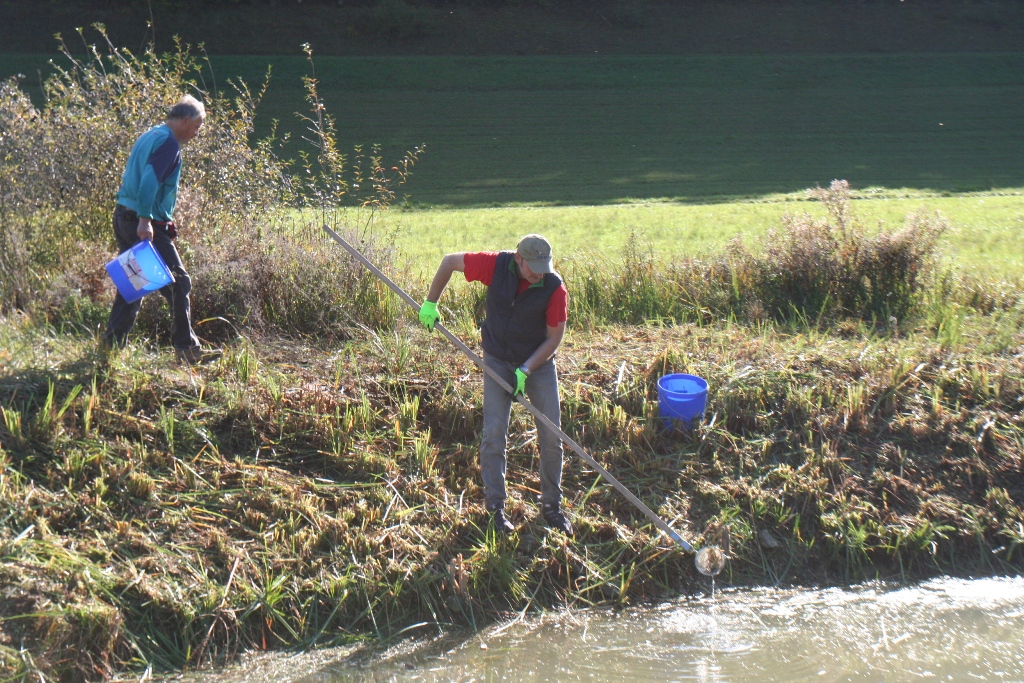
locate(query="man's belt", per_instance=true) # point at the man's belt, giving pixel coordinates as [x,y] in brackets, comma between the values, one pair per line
[166,226]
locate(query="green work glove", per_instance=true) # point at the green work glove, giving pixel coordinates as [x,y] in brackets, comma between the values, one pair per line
[429,315]
[521,376]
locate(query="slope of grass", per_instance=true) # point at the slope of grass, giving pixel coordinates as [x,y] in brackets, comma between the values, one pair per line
[591,130]
[553,27]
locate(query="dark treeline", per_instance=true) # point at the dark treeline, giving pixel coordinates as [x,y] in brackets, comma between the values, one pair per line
[526,27]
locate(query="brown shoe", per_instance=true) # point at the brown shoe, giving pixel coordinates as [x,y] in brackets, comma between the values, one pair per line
[197,355]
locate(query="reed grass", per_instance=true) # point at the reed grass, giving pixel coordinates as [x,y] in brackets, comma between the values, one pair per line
[294,495]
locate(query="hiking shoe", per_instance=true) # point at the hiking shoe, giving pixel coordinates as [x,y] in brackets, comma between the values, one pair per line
[501,523]
[106,348]
[197,355]
[555,518]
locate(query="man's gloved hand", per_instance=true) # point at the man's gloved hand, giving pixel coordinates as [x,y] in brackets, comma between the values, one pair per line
[429,315]
[520,381]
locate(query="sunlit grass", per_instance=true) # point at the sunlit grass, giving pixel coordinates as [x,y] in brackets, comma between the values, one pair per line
[986,236]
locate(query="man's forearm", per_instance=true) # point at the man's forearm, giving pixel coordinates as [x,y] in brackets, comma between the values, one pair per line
[543,353]
[547,348]
[449,264]
[437,285]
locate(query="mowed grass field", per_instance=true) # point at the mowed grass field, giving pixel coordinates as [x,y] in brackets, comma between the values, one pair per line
[598,130]
[986,235]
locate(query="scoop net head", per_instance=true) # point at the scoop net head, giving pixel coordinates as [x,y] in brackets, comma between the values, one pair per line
[710,560]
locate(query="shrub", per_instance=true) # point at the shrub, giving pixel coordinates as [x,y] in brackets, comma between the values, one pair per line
[282,284]
[811,269]
[60,168]
[831,267]
[61,165]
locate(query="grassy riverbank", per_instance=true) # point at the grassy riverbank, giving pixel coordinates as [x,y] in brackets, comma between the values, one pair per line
[319,483]
[296,494]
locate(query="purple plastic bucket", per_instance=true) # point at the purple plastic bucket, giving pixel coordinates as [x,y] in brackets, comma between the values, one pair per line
[681,399]
[139,271]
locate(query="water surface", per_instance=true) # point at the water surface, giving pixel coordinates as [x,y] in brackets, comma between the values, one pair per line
[947,629]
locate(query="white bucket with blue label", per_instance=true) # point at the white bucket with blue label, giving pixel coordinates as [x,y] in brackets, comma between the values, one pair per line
[139,271]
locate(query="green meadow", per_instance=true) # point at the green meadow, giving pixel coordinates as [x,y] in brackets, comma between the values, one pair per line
[688,152]
[985,236]
[591,130]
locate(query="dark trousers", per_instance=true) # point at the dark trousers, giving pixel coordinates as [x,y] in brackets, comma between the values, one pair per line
[123,314]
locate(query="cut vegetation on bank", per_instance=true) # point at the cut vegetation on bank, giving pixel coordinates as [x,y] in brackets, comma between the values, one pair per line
[292,497]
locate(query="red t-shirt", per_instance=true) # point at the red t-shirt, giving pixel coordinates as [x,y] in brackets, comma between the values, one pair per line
[480,268]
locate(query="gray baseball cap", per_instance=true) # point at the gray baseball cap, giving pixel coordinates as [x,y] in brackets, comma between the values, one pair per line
[536,251]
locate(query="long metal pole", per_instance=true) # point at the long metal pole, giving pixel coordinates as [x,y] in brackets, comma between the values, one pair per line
[541,417]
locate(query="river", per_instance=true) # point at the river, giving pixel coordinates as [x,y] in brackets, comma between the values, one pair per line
[945,629]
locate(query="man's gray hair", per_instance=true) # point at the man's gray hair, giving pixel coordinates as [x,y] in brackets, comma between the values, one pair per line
[187,107]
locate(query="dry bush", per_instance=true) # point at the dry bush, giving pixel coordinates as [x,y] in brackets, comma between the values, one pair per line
[276,282]
[832,267]
[811,269]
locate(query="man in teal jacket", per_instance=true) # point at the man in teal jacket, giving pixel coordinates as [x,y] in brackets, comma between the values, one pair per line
[145,211]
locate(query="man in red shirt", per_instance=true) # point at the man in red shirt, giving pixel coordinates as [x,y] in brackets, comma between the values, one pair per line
[526,314]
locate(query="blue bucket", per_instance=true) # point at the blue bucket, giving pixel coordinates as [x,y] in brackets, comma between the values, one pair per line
[681,398]
[139,271]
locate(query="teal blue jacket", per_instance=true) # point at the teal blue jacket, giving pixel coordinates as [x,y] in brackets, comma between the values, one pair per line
[149,184]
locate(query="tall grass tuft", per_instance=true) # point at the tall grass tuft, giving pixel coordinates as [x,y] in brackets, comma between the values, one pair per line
[640,288]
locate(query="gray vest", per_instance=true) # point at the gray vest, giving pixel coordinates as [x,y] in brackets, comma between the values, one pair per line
[516,324]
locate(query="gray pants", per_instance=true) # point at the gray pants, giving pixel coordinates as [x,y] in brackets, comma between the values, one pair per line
[542,391]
